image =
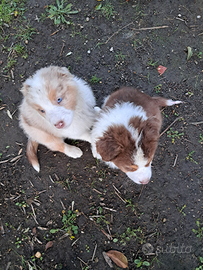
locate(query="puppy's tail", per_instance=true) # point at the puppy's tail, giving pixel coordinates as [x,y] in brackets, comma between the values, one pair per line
[32,154]
[163,102]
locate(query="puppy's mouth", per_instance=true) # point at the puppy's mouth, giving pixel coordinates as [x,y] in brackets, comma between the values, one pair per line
[60,124]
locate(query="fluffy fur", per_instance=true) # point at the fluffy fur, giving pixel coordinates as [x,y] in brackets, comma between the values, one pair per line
[56,105]
[126,132]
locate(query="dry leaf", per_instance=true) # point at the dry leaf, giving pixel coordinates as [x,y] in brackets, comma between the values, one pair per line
[118,258]
[9,114]
[189,53]
[48,245]
[107,259]
[161,69]
[34,231]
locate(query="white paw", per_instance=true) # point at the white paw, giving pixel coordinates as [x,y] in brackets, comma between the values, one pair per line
[171,102]
[73,151]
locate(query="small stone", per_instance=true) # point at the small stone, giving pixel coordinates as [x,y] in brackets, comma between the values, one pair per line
[87,19]
[26,41]
[111,49]
[164,220]
[89,51]
[38,254]
[198,16]
[179,15]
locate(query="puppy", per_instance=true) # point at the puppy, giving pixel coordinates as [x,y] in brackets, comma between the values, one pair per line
[126,132]
[56,105]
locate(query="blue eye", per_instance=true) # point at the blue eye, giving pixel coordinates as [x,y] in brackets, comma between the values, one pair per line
[59,100]
[42,111]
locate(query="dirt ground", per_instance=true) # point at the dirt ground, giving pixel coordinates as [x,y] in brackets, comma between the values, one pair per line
[108,44]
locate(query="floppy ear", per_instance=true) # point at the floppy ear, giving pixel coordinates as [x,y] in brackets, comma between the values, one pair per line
[64,72]
[25,89]
[150,138]
[113,142]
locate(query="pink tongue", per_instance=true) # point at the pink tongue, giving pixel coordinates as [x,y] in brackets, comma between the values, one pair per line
[60,124]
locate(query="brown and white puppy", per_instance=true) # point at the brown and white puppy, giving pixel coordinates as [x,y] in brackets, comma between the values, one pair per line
[126,132]
[56,105]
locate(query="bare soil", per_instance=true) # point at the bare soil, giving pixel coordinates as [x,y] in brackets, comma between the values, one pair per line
[121,52]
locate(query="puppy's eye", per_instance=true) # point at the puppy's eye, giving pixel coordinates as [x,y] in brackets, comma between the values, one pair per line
[42,111]
[134,167]
[59,100]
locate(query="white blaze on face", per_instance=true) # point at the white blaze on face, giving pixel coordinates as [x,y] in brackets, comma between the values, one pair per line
[58,114]
[141,176]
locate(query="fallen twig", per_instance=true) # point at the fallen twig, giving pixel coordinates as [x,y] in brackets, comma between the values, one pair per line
[196,123]
[93,255]
[61,50]
[151,28]
[97,191]
[175,160]
[120,197]
[107,235]
[170,126]
[141,192]
[34,216]
[110,209]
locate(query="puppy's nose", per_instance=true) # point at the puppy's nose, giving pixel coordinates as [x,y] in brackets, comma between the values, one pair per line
[144,182]
[60,124]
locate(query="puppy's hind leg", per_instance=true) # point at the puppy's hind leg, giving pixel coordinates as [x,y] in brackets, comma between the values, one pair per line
[32,154]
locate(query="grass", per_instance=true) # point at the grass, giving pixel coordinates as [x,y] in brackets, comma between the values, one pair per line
[10,10]
[24,33]
[107,10]
[190,158]
[157,88]
[68,221]
[200,267]
[140,262]
[174,135]
[59,12]
[200,138]
[94,79]
[199,231]
[128,235]
[119,56]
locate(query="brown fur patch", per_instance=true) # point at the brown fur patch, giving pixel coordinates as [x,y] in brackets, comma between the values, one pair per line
[117,146]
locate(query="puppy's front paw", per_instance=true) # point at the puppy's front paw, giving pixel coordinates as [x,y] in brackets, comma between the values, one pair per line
[73,151]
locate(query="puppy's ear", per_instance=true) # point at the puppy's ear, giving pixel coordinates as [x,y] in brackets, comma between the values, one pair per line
[24,90]
[64,72]
[150,137]
[114,141]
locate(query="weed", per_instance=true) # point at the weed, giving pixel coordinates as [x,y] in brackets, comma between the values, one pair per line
[157,88]
[107,10]
[181,210]
[94,79]
[140,262]
[87,248]
[10,9]
[190,158]
[200,267]
[11,62]
[152,63]
[128,235]
[174,134]
[68,221]
[130,204]
[199,55]
[58,13]
[119,57]
[199,231]
[102,174]
[25,33]
[200,138]
[22,204]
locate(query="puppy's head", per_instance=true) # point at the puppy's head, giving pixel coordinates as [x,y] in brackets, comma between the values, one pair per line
[128,150]
[52,92]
